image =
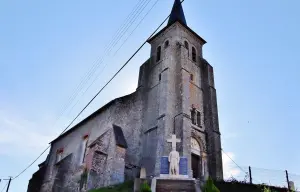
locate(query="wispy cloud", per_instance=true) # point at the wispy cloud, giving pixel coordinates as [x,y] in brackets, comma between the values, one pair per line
[229,167]
[17,134]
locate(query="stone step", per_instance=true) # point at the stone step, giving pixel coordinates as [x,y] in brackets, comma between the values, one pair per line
[173,185]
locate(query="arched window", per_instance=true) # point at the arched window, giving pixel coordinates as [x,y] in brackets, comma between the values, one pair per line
[196,164]
[191,77]
[166,44]
[194,54]
[193,113]
[186,45]
[195,146]
[158,53]
[83,148]
[198,119]
[59,154]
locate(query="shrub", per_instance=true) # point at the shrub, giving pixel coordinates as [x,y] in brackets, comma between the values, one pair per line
[145,187]
[209,186]
[267,189]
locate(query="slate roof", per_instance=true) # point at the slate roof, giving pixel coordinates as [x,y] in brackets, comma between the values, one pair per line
[166,27]
[99,111]
[119,136]
[177,13]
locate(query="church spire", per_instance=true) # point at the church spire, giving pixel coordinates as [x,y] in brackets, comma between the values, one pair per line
[177,13]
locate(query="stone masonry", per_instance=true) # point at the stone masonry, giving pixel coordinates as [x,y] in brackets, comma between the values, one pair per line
[113,143]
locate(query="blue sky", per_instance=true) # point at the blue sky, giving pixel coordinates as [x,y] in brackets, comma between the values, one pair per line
[47,48]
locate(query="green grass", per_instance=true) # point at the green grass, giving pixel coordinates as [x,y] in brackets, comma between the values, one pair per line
[125,187]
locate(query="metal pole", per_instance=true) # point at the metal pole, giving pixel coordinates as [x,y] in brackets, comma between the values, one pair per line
[250,175]
[8,184]
[287,179]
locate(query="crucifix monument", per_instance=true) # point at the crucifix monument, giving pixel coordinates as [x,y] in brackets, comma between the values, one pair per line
[174,158]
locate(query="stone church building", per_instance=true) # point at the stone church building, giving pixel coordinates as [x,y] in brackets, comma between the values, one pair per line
[175,95]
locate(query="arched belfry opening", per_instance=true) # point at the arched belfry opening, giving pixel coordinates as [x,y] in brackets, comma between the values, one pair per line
[196,158]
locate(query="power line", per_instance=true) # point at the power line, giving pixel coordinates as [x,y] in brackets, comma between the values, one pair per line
[99,92]
[4,187]
[60,134]
[117,51]
[118,35]
[115,40]
[234,161]
[107,52]
[108,45]
[237,164]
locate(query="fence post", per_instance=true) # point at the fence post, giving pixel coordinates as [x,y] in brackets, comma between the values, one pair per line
[287,180]
[250,175]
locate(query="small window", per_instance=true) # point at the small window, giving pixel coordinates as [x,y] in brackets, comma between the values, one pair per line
[84,147]
[59,154]
[191,77]
[159,77]
[193,112]
[166,44]
[158,54]
[186,45]
[194,54]
[198,119]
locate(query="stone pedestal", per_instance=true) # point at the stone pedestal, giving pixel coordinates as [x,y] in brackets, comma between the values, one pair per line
[164,168]
[174,174]
[137,185]
[173,184]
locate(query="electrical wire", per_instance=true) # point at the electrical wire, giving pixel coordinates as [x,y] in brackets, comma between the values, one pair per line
[98,92]
[115,40]
[4,187]
[116,51]
[234,161]
[118,35]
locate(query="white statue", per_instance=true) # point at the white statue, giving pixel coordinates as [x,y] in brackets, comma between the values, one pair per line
[174,157]
[174,162]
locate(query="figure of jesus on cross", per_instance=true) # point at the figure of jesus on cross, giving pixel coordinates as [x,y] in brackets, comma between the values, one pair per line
[174,156]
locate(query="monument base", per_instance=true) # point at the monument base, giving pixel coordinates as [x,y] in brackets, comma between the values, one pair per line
[174,184]
[167,176]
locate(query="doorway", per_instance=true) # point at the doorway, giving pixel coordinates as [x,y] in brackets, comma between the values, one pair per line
[196,166]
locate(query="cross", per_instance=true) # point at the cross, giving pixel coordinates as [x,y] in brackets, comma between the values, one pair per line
[173,140]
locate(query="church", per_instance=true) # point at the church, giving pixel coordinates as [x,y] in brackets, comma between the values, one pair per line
[175,95]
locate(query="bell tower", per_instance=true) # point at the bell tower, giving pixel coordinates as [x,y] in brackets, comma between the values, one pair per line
[180,98]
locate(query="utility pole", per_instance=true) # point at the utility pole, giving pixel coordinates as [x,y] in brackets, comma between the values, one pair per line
[250,175]
[9,180]
[287,179]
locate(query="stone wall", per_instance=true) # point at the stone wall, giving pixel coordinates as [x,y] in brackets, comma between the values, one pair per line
[212,122]
[35,183]
[63,170]
[125,112]
[97,161]
[161,106]
[169,100]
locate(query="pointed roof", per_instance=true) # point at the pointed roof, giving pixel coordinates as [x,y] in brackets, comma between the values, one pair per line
[177,13]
